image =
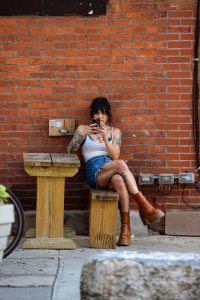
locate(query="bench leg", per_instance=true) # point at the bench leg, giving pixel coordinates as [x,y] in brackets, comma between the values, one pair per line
[103,223]
[50,207]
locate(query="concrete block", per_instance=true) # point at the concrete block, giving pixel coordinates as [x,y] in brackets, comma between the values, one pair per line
[3,242]
[5,229]
[78,220]
[186,223]
[139,276]
[137,227]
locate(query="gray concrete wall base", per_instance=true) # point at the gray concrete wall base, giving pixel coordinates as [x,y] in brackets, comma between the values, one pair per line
[79,221]
[141,276]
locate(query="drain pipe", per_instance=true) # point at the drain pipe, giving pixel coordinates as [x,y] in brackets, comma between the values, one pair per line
[195,91]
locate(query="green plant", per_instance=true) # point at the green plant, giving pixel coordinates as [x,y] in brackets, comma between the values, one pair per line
[3,194]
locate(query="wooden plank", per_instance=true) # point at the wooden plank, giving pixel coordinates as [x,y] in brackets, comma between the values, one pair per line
[51,171]
[57,207]
[50,207]
[37,159]
[65,160]
[43,221]
[104,195]
[70,124]
[49,243]
[55,125]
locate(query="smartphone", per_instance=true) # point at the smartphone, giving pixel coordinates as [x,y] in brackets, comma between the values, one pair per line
[96,121]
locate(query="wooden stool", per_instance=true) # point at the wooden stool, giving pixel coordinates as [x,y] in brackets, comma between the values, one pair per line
[103,218]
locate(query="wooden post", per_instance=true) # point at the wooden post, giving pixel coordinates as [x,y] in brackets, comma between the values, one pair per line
[50,207]
[51,170]
[103,218]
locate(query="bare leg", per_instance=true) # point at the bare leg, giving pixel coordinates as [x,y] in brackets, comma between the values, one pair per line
[121,168]
[148,213]
[118,184]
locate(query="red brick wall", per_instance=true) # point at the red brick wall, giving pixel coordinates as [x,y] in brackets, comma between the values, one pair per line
[140,55]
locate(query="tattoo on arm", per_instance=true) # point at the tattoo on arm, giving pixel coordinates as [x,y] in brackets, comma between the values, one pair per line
[117,140]
[75,142]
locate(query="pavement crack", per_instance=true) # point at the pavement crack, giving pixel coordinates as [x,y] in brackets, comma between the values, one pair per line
[56,276]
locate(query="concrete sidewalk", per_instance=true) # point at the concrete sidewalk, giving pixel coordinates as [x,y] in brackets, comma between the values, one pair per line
[55,274]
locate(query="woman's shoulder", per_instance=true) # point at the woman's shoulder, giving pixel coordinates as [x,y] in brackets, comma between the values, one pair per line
[81,127]
[116,131]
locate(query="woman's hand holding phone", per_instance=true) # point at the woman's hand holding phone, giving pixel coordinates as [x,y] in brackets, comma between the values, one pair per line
[95,126]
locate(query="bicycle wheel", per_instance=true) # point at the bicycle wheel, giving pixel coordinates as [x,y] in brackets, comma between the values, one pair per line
[18,225]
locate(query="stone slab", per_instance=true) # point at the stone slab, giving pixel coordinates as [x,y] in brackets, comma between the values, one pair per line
[32,254]
[26,280]
[166,244]
[21,266]
[67,274]
[184,223]
[63,287]
[138,276]
[36,293]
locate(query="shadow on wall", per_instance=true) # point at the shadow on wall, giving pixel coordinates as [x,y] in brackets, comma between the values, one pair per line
[53,7]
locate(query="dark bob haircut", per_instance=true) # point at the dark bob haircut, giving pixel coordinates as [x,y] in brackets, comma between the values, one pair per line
[100,104]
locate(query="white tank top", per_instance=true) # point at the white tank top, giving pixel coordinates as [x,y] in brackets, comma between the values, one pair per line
[91,148]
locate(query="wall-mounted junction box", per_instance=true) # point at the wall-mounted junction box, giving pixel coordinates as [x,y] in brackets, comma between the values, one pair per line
[186,178]
[61,127]
[166,179]
[145,179]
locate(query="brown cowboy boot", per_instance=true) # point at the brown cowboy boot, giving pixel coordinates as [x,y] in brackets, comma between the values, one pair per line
[148,213]
[125,234]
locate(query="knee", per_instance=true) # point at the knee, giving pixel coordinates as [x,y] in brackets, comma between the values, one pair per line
[121,166]
[118,182]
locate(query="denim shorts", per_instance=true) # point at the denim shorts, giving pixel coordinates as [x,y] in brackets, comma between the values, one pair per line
[93,167]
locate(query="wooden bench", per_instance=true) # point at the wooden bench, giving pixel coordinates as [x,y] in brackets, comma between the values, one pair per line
[103,213]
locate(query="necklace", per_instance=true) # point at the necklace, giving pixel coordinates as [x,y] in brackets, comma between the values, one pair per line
[98,136]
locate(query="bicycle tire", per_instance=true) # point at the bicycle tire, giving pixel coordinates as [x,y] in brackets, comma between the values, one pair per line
[18,225]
